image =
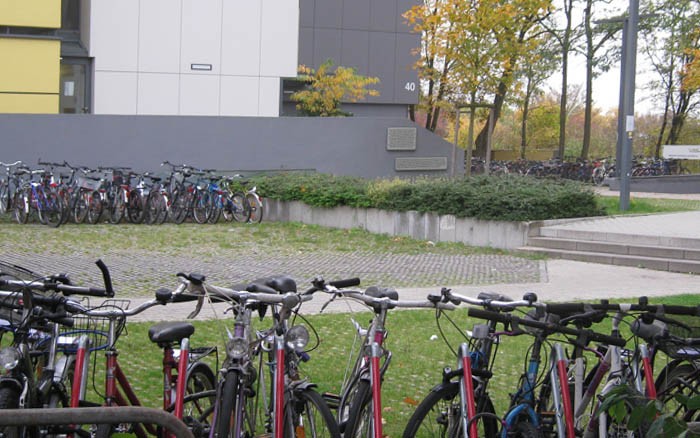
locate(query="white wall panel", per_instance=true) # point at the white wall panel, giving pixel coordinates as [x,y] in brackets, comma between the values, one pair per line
[240,38]
[115,93]
[199,95]
[201,34]
[280,38]
[269,97]
[114,33]
[239,96]
[159,36]
[158,93]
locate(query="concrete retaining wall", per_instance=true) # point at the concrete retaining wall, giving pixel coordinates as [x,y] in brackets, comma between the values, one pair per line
[422,226]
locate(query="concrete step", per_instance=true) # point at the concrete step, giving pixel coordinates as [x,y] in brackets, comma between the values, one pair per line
[657,263]
[600,246]
[622,238]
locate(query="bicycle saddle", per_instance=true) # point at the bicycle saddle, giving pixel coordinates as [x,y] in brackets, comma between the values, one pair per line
[276,284]
[382,292]
[170,331]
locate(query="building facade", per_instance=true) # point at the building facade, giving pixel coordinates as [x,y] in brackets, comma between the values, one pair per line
[197,57]
[30,54]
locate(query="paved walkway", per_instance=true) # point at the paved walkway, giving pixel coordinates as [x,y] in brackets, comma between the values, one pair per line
[554,280]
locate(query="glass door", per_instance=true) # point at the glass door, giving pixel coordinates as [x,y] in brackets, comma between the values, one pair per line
[75,95]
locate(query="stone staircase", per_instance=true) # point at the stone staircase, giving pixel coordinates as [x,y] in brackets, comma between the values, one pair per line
[605,243]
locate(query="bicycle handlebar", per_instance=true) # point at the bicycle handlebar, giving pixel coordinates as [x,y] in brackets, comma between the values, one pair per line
[51,284]
[547,326]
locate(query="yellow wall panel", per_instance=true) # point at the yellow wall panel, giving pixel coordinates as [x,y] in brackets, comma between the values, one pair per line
[31,13]
[29,103]
[29,66]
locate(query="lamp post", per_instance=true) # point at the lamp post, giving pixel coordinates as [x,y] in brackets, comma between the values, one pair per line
[625,116]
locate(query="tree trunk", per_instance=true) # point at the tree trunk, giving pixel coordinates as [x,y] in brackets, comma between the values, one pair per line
[563,103]
[482,138]
[523,128]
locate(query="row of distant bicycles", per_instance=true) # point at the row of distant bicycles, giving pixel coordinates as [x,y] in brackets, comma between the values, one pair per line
[57,193]
[588,372]
[590,171]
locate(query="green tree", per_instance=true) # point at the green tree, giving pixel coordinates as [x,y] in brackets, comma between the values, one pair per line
[670,46]
[326,90]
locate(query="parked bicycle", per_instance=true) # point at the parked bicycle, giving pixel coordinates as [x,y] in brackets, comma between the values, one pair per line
[260,390]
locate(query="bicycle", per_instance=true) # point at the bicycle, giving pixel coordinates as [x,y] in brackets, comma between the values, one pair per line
[34,374]
[8,185]
[40,197]
[188,380]
[358,404]
[294,408]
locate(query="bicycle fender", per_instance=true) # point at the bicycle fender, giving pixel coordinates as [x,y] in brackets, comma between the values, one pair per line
[11,382]
[302,385]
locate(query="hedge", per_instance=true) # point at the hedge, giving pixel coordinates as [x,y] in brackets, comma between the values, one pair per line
[508,198]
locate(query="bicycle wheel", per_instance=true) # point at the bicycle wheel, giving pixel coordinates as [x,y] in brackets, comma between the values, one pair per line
[216,207]
[256,208]
[95,207]
[79,207]
[155,209]
[202,207]
[117,206]
[359,421]
[237,208]
[21,204]
[200,399]
[180,208]
[307,415]
[438,415]
[9,399]
[135,207]
[232,417]
[676,382]
[4,196]
[52,209]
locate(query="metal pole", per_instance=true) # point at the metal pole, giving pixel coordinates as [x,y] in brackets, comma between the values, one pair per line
[621,105]
[629,88]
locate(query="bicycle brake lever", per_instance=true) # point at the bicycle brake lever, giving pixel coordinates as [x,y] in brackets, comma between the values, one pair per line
[328,302]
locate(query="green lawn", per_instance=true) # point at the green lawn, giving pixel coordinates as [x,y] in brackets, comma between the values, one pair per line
[418,358]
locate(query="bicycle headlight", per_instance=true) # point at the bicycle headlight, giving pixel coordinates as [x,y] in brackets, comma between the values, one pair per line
[236,348]
[9,358]
[297,337]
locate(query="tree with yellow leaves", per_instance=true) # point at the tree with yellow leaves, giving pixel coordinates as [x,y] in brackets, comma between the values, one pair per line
[326,90]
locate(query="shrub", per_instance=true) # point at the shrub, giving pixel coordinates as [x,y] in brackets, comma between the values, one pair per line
[511,198]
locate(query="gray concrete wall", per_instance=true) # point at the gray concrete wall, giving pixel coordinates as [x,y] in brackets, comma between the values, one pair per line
[342,146]
[421,226]
[660,184]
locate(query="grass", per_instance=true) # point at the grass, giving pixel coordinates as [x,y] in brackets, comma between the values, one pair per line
[417,363]
[647,205]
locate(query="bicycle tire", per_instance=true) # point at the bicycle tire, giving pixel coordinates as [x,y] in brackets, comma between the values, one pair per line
[9,399]
[678,379]
[256,208]
[307,415]
[200,399]
[95,208]
[79,207]
[52,211]
[201,207]
[156,209]
[216,207]
[135,207]
[180,207]
[359,421]
[438,415]
[231,402]
[237,208]
[21,210]
[116,206]
[4,197]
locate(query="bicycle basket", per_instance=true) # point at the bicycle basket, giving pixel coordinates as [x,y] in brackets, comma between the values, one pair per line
[687,327]
[96,328]
[89,184]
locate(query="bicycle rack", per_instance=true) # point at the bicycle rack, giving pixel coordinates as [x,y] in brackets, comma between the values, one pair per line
[97,415]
